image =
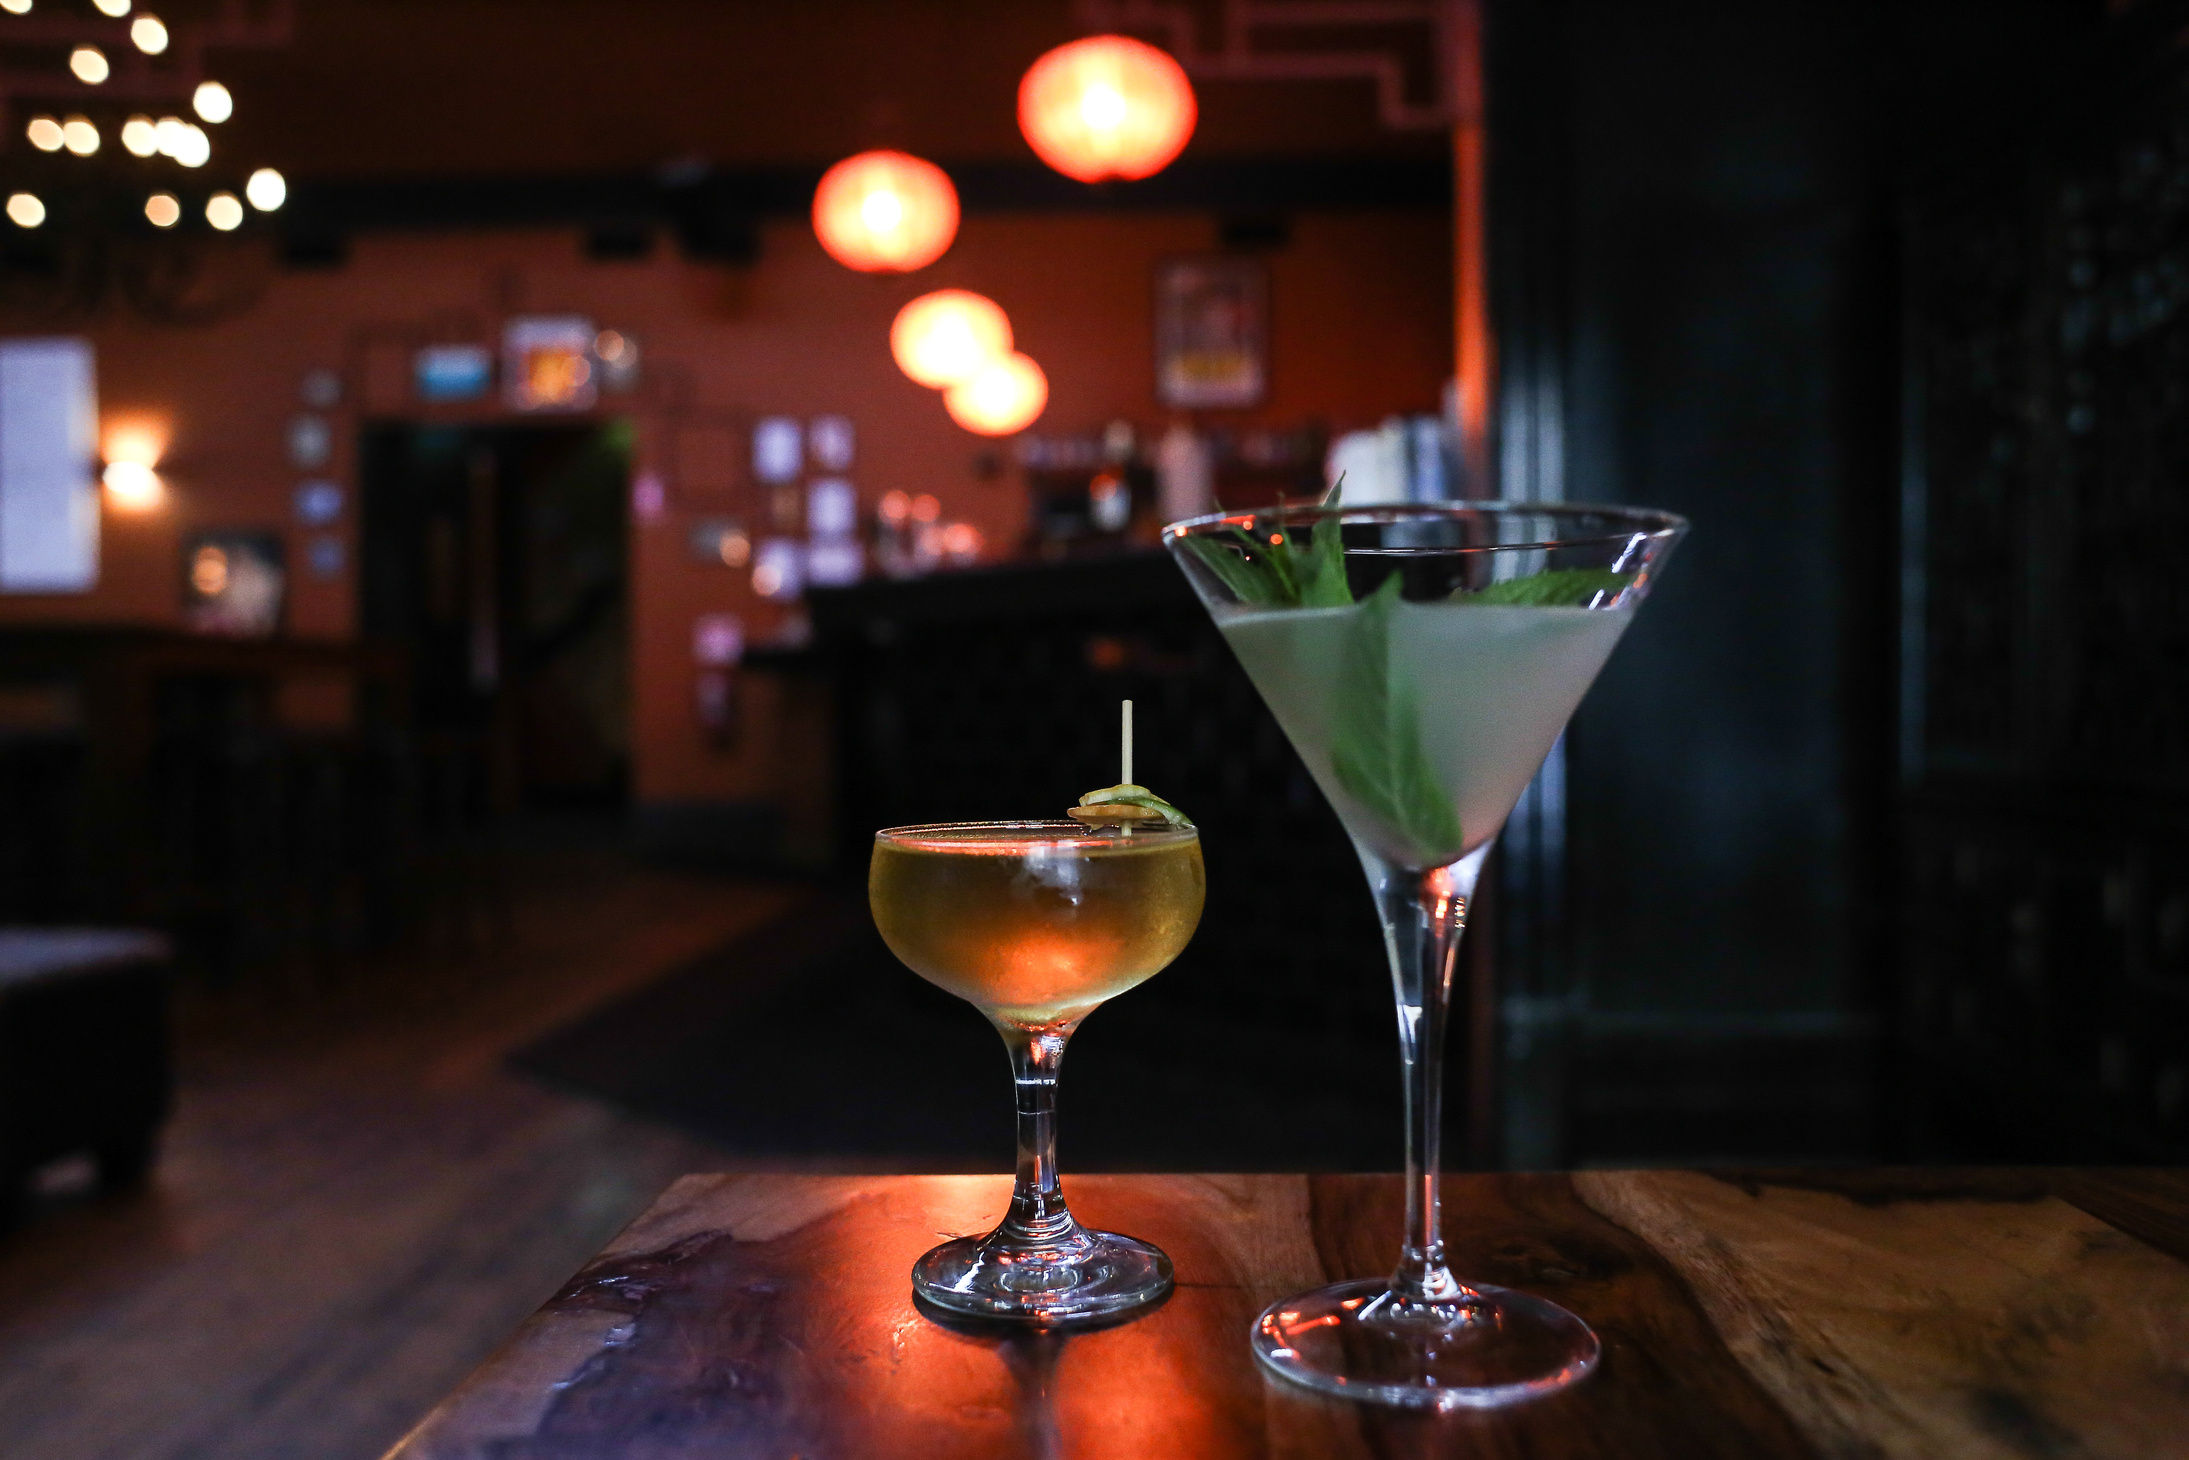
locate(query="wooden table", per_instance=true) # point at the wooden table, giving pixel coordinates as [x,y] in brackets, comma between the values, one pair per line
[1878,1313]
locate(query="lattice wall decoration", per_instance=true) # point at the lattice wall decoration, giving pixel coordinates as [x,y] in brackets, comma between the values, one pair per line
[111,155]
[1409,50]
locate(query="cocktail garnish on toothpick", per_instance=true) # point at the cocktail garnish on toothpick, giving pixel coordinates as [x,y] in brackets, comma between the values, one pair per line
[1126,805]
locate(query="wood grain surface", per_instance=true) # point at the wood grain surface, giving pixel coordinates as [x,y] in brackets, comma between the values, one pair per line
[1794,1314]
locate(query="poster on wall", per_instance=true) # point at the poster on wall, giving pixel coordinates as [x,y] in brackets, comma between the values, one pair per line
[233,584]
[1211,333]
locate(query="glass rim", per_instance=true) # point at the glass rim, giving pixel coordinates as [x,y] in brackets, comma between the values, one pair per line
[1649,522]
[1060,829]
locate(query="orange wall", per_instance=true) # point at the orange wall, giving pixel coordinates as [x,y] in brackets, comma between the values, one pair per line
[1362,308]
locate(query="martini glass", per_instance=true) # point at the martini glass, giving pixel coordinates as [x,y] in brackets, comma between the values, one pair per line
[1423,660]
[1035,923]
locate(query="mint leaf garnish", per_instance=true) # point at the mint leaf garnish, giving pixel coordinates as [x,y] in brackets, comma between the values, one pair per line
[1556,588]
[1280,573]
[1376,751]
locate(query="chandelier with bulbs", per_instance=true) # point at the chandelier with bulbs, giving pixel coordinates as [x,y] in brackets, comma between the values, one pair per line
[109,118]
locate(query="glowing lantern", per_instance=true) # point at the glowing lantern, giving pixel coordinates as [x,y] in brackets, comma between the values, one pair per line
[1107,106]
[1008,396]
[885,212]
[950,335]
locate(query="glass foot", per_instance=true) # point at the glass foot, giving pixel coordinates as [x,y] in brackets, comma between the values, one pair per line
[1091,1275]
[1354,1339]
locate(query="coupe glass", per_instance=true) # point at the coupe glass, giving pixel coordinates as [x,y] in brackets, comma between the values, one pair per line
[1423,660]
[1035,923]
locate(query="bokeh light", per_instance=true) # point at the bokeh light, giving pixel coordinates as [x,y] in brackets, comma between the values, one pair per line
[950,335]
[1107,106]
[885,212]
[25,211]
[1007,397]
[140,137]
[212,102]
[163,209]
[46,134]
[89,64]
[267,190]
[149,34]
[80,136]
[224,211]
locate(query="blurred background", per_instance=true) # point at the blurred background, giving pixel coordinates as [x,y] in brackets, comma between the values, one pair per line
[498,501]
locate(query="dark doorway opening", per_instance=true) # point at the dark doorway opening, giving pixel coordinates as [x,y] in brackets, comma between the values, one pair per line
[496,555]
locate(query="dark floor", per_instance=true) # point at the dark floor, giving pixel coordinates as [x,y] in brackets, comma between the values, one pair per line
[358,1199]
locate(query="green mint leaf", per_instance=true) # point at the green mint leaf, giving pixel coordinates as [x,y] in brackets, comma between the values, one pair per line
[1248,579]
[1556,588]
[1376,751]
[1325,585]
[1284,573]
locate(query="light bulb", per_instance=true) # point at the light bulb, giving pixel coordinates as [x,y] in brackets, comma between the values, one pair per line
[132,486]
[266,190]
[164,210]
[193,148]
[149,33]
[113,8]
[46,134]
[212,101]
[140,136]
[224,211]
[89,64]
[25,211]
[82,137]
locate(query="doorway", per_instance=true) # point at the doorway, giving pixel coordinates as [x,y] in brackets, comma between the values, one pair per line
[496,555]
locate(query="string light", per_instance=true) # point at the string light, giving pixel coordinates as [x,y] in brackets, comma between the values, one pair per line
[224,211]
[140,136]
[25,211]
[212,101]
[149,33]
[89,64]
[82,137]
[46,134]
[163,209]
[192,147]
[267,190]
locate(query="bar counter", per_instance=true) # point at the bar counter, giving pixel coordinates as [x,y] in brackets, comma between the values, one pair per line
[1914,1313]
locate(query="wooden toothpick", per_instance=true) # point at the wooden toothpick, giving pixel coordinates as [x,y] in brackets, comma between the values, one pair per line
[1127,778]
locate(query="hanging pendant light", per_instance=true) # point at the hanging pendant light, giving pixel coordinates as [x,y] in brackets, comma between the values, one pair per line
[1107,106]
[1005,398]
[951,335]
[885,212]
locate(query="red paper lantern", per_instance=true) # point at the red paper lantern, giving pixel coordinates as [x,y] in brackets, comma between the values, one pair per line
[950,335]
[1106,106]
[1006,397]
[885,212]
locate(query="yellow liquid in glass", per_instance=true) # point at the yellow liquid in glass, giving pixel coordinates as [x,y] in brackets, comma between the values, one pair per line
[1036,927]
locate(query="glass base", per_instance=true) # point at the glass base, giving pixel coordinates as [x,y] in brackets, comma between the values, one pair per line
[1091,1275]
[1355,1340]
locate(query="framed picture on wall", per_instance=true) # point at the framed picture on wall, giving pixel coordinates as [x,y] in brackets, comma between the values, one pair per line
[1211,332]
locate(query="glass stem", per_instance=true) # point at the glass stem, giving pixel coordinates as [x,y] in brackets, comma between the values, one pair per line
[1423,915]
[1038,1215]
